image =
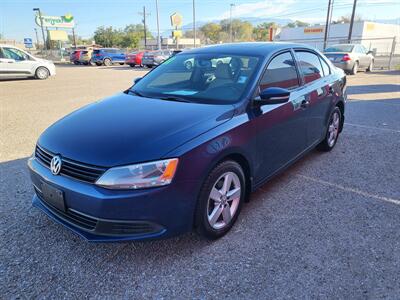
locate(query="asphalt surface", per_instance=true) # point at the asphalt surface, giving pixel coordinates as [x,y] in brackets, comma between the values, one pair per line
[329,227]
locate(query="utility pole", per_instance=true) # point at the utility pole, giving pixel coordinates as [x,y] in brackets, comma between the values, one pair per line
[37,39]
[230,22]
[194,24]
[41,26]
[352,21]
[73,36]
[144,14]
[327,24]
[158,27]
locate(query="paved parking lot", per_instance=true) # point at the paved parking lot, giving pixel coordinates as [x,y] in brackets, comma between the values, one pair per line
[329,227]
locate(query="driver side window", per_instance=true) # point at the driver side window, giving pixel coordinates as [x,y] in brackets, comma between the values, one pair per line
[15,54]
[281,72]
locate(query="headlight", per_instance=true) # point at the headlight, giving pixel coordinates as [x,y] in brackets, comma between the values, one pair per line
[152,174]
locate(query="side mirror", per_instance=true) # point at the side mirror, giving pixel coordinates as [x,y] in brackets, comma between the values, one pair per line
[136,80]
[273,95]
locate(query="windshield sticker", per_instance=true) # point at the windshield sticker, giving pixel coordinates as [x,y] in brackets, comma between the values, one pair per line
[182,92]
[242,79]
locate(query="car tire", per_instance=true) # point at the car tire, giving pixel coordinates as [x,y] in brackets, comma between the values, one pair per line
[216,211]
[132,65]
[98,64]
[371,66]
[354,70]
[332,131]
[149,66]
[42,73]
[107,62]
[121,64]
[76,62]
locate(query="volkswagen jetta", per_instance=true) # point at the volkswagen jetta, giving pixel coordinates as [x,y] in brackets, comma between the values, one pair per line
[184,146]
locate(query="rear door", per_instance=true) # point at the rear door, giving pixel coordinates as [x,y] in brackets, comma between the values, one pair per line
[364,57]
[317,90]
[281,128]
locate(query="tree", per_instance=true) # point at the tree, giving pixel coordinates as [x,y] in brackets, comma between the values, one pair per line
[297,23]
[347,19]
[107,36]
[261,32]
[241,30]
[211,31]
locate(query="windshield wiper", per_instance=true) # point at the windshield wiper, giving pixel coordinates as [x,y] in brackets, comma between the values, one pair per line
[136,93]
[174,98]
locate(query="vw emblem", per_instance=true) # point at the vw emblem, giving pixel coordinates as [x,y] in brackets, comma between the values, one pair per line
[55,165]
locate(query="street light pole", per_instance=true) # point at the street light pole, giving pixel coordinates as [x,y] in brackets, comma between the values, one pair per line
[194,24]
[352,21]
[230,22]
[41,26]
[158,27]
[37,39]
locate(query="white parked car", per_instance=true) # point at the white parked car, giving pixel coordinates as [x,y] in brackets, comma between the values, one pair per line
[15,62]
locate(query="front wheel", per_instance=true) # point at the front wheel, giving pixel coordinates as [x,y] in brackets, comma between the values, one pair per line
[107,62]
[332,132]
[42,73]
[121,64]
[220,200]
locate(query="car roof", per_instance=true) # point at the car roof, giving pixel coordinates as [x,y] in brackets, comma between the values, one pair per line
[248,48]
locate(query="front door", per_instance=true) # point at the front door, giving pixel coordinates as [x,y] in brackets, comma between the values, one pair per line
[18,63]
[281,128]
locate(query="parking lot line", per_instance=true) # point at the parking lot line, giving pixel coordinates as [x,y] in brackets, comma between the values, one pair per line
[350,189]
[372,127]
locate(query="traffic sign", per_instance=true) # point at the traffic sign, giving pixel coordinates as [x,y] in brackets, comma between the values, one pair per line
[28,41]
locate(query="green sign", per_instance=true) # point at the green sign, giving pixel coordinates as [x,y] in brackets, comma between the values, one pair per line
[66,21]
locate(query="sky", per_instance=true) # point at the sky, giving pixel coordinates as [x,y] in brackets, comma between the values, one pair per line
[17,17]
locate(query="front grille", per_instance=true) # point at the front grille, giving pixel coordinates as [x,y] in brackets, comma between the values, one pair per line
[71,168]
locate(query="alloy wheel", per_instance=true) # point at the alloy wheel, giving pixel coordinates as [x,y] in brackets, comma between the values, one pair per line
[333,129]
[223,200]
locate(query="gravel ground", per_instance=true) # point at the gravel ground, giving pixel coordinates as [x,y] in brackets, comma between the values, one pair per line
[326,228]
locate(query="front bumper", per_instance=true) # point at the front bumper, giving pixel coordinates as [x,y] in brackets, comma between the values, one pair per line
[102,215]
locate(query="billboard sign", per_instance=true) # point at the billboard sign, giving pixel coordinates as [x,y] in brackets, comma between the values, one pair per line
[176,20]
[66,21]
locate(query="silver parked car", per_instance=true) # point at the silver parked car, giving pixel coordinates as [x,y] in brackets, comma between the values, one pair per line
[154,58]
[350,57]
[15,62]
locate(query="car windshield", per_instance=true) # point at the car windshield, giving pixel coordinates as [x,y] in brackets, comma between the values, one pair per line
[206,78]
[340,48]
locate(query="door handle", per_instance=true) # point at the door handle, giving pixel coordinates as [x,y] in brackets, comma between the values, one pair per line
[305,103]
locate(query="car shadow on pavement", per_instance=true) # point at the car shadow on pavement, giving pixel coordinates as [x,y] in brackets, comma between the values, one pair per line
[373,89]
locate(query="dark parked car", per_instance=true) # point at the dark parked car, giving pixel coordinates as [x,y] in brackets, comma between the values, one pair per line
[154,58]
[183,148]
[108,56]
[350,57]
[75,56]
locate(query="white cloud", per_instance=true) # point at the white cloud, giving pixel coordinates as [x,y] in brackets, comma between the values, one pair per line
[257,9]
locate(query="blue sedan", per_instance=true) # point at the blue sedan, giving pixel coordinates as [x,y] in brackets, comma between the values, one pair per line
[184,147]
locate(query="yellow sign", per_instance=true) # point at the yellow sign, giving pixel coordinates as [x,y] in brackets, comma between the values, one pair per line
[370,26]
[58,35]
[177,33]
[176,20]
[313,30]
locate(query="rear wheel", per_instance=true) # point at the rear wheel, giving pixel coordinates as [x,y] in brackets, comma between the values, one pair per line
[107,62]
[220,200]
[132,65]
[333,130]
[98,63]
[76,62]
[354,70]
[121,64]
[42,73]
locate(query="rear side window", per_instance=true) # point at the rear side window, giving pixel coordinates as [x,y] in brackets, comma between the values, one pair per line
[325,67]
[310,66]
[281,72]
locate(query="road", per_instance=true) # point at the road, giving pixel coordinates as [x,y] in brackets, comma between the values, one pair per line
[328,227]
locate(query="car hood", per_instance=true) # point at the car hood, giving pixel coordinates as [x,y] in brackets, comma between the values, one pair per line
[126,129]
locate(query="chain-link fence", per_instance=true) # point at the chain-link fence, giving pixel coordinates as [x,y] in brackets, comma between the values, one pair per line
[386,50]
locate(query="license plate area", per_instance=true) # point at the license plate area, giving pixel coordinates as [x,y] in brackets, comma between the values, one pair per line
[53,196]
